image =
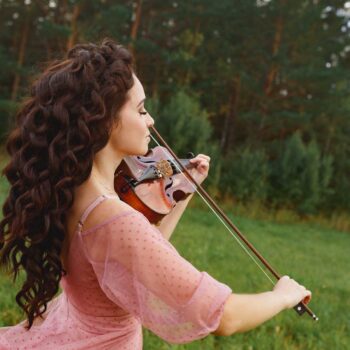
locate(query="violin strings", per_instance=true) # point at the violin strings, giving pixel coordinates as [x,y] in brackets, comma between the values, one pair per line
[219,217]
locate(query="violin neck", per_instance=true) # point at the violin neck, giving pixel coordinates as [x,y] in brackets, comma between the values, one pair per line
[185,162]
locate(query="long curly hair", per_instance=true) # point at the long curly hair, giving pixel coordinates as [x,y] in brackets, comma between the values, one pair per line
[72,109]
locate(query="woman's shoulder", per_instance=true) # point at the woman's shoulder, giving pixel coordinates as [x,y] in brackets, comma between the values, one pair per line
[107,210]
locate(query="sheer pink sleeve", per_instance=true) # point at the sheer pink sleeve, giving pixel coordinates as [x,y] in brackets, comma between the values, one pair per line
[143,273]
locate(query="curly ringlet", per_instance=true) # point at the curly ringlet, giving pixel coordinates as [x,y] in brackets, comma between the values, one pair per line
[67,119]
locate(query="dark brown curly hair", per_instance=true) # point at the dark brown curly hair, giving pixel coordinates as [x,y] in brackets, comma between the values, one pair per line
[72,109]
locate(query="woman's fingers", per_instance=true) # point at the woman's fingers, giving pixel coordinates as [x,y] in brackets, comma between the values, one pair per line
[201,165]
[308,297]
[292,292]
[201,156]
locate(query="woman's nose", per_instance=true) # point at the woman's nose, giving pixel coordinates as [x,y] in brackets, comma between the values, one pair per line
[150,120]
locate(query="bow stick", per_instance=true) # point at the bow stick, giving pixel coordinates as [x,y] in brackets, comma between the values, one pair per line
[300,308]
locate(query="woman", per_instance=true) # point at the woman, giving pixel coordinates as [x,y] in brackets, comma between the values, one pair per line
[117,271]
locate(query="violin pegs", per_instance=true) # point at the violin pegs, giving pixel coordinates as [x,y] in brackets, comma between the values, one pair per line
[190,155]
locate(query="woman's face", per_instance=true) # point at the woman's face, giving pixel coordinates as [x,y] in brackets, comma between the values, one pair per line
[131,135]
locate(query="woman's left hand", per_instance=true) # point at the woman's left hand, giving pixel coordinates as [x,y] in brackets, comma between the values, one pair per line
[201,169]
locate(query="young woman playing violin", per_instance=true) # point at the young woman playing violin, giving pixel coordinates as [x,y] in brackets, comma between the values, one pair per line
[118,272]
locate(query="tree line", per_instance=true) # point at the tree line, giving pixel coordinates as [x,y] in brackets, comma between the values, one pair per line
[262,86]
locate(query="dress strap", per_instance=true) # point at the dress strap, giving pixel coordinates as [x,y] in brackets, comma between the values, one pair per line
[91,206]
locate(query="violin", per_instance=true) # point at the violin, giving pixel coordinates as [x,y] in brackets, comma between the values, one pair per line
[152,184]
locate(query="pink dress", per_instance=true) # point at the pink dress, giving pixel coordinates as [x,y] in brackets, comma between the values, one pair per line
[123,274]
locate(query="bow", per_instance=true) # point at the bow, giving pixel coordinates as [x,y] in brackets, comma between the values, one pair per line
[300,308]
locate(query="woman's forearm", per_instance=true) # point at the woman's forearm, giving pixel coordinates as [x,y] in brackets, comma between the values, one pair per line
[243,312]
[169,222]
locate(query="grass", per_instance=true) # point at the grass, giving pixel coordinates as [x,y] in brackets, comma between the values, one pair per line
[314,255]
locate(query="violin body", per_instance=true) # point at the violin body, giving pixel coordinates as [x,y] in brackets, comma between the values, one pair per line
[152,184]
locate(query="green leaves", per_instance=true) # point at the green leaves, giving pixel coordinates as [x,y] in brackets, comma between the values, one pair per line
[301,175]
[227,78]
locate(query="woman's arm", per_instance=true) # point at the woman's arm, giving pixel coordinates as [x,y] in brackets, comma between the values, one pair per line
[169,222]
[243,312]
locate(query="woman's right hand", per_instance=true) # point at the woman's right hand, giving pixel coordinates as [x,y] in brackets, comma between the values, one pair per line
[291,292]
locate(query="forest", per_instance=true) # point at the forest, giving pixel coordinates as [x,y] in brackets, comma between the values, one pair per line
[260,86]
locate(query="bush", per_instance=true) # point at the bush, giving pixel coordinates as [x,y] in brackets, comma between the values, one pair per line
[300,177]
[244,175]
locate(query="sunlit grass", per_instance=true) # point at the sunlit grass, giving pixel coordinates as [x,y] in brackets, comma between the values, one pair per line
[316,256]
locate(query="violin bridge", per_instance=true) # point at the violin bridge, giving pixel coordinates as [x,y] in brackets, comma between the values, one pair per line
[164,168]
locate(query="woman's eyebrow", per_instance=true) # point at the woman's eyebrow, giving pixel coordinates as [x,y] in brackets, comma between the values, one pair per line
[141,102]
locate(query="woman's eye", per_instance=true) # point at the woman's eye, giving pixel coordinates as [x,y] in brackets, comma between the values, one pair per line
[143,112]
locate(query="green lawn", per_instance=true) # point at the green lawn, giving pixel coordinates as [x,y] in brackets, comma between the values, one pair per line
[316,257]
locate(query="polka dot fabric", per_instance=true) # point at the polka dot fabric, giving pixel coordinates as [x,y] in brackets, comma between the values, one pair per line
[123,274]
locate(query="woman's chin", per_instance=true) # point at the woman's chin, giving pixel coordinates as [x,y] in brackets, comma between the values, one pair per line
[141,152]
[146,149]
